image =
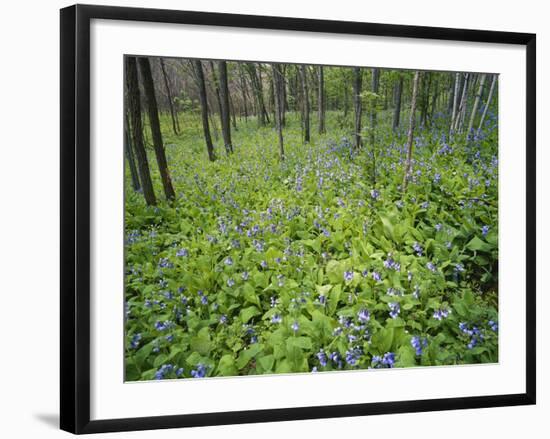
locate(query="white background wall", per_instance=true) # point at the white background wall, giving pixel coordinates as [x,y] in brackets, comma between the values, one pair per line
[29,186]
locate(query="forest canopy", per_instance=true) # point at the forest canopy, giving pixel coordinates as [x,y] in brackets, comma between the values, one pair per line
[305,218]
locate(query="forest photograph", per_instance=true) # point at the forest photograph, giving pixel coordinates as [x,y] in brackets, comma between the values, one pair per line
[296,218]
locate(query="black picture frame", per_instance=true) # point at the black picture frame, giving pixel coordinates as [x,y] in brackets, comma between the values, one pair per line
[75,217]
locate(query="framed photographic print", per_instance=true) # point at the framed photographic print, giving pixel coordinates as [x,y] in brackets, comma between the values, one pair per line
[268,218]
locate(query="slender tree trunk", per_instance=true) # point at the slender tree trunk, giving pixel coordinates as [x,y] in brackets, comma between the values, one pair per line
[278,101]
[284,107]
[321,100]
[134,107]
[412,122]
[455,101]
[216,87]
[373,115]
[450,95]
[130,155]
[152,111]
[462,106]
[224,107]
[397,111]
[305,103]
[261,90]
[258,92]
[476,106]
[486,109]
[204,108]
[243,92]
[357,83]
[232,113]
[169,94]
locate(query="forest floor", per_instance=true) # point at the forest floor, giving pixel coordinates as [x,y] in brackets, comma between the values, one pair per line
[314,263]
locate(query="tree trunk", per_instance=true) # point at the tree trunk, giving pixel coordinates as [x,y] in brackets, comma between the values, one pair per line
[224,101]
[412,122]
[321,100]
[169,94]
[397,111]
[216,87]
[357,81]
[232,113]
[476,106]
[152,111]
[484,115]
[373,115]
[461,108]
[258,93]
[243,92]
[278,101]
[130,155]
[204,109]
[134,107]
[455,100]
[305,103]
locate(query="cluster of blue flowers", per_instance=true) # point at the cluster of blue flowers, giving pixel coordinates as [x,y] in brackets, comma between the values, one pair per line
[475,334]
[418,343]
[395,309]
[442,313]
[200,371]
[167,369]
[385,361]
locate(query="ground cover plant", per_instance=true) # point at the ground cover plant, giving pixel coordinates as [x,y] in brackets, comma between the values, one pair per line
[289,218]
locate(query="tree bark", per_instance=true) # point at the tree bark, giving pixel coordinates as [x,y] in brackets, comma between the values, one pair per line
[455,100]
[204,109]
[134,107]
[476,106]
[357,82]
[484,115]
[305,103]
[462,106]
[412,122]
[130,155]
[321,100]
[243,92]
[224,107]
[152,111]
[169,95]
[278,100]
[397,110]
[258,93]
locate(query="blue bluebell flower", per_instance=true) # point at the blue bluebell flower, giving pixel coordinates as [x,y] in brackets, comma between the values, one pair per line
[182,252]
[134,343]
[395,309]
[348,276]
[322,357]
[363,315]
[200,371]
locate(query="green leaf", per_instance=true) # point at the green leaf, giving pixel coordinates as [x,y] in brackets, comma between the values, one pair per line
[247,354]
[477,244]
[226,366]
[334,298]
[267,362]
[383,339]
[248,313]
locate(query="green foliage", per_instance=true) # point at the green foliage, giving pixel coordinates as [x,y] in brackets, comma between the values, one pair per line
[262,266]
